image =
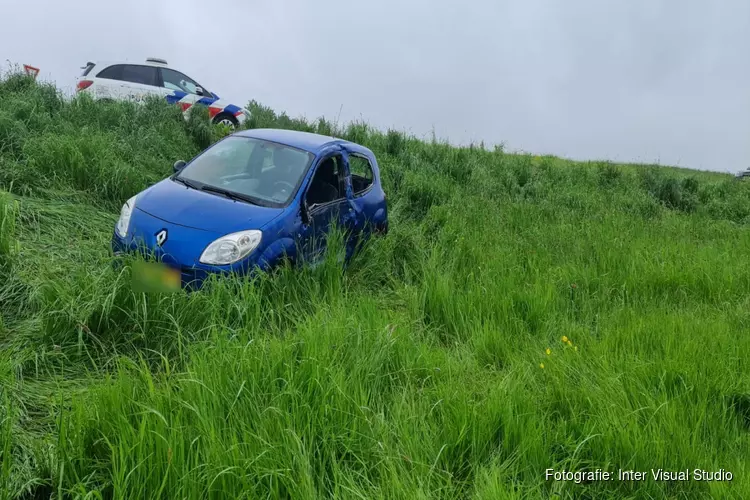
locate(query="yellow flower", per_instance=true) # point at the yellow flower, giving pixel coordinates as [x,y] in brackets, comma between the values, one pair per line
[576,348]
[541,365]
[565,339]
[570,343]
[548,351]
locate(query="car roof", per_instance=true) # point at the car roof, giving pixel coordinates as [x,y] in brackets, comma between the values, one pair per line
[137,63]
[307,141]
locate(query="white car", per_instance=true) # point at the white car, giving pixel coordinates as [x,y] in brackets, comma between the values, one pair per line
[134,81]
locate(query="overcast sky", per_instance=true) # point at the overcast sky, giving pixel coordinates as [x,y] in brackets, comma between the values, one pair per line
[626,80]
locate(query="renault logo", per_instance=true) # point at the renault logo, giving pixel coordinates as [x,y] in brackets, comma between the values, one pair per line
[161,237]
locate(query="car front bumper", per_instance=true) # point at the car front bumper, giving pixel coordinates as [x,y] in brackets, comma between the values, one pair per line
[191,277]
[180,252]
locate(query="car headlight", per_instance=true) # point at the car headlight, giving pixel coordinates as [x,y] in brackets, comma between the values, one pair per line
[231,248]
[124,221]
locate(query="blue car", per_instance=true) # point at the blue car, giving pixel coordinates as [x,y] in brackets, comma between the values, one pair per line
[252,200]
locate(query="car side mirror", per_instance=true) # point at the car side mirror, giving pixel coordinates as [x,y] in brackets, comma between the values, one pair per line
[179,165]
[199,91]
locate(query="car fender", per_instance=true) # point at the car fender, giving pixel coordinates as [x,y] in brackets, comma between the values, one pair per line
[276,251]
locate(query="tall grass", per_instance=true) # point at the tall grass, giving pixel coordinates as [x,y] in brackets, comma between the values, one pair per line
[523,313]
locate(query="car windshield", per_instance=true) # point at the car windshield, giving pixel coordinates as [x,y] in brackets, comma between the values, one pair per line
[253,168]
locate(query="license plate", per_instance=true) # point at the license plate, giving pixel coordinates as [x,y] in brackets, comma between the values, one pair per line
[155,277]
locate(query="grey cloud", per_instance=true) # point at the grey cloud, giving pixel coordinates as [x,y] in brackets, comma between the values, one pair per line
[638,80]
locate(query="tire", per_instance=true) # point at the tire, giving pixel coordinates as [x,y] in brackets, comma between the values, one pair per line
[226,119]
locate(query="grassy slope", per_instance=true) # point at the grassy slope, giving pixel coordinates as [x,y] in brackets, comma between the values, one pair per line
[416,374]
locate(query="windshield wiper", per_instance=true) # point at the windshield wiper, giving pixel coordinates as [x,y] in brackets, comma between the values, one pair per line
[185,182]
[229,194]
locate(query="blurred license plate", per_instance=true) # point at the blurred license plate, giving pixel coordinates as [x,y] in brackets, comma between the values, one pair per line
[154,277]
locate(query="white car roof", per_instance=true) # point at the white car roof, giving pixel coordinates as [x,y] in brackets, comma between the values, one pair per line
[144,62]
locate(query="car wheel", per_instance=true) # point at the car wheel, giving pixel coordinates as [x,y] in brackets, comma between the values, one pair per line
[226,119]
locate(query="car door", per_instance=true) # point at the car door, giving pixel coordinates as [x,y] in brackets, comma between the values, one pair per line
[138,81]
[324,211]
[353,217]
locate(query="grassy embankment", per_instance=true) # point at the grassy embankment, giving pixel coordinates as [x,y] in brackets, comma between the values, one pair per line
[421,372]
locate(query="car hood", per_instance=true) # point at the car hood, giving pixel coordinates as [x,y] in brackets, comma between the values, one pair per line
[184,206]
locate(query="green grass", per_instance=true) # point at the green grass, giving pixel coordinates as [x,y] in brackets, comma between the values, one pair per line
[417,373]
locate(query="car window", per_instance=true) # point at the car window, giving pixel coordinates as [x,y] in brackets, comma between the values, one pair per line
[264,170]
[361,172]
[235,156]
[174,80]
[327,182]
[111,72]
[134,73]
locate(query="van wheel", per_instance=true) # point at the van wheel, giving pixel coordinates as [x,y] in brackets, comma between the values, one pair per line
[225,119]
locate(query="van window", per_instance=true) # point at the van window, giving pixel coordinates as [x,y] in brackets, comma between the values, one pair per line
[111,72]
[144,75]
[133,73]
